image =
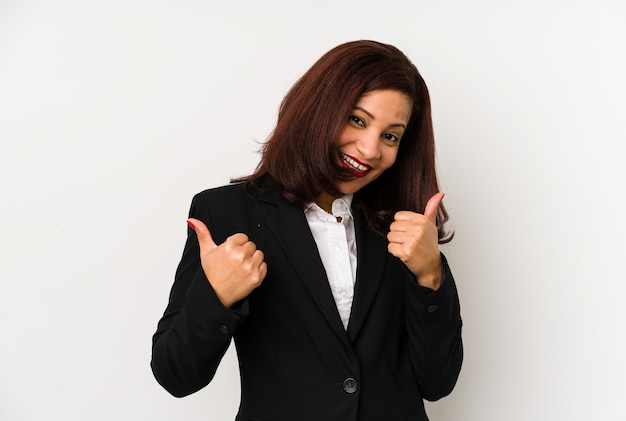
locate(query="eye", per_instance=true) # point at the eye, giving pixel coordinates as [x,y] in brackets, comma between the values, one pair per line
[391,137]
[357,120]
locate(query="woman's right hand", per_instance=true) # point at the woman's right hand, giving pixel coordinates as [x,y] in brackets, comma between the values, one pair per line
[234,268]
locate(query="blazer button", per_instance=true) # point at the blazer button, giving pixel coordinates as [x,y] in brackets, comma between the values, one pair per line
[350,385]
[431,308]
[224,329]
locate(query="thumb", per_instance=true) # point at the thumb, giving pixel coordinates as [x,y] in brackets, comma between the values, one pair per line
[432,206]
[203,233]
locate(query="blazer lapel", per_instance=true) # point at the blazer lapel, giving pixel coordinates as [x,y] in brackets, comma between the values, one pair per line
[288,224]
[371,262]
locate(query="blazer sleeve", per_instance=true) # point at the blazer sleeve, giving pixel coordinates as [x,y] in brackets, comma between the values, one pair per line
[434,330]
[196,329]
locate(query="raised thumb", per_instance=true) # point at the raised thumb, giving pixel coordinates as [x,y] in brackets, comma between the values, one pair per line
[204,235]
[432,206]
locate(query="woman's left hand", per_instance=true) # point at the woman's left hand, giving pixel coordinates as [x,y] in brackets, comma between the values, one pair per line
[413,238]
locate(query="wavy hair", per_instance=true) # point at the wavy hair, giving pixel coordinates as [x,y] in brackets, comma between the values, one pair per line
[300,154]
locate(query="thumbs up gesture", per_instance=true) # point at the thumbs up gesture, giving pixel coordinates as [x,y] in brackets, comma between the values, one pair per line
[413,238]
[234,268]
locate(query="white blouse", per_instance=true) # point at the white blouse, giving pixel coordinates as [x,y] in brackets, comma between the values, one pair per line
[336,243]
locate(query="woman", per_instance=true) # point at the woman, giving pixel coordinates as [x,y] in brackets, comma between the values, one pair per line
[324,264]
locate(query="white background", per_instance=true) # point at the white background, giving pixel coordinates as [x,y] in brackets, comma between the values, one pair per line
[114,113]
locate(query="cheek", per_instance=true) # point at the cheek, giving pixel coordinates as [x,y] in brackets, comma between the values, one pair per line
[344,137]
[390,158]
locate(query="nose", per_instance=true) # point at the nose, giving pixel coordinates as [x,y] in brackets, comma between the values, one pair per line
[368,145]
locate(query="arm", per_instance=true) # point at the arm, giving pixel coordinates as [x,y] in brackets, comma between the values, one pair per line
[196,328]
[434,330]
[432,308]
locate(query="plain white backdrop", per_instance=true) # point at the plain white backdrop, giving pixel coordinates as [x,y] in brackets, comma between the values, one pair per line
[114,113]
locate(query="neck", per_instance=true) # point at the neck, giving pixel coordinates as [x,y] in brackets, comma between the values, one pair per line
[325,201]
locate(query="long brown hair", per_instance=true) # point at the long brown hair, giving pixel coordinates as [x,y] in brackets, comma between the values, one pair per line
[300,153]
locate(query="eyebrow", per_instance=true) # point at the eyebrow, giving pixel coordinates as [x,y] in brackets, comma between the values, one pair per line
[370,115]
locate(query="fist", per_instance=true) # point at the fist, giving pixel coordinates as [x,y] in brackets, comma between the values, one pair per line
[234,268]
[413,238]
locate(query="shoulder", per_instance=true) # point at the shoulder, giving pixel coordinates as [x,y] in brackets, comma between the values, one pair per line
[221,202]
[227,193]
[229,209]
[235,198]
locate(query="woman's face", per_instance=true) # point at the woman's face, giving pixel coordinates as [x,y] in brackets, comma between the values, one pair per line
[369,143]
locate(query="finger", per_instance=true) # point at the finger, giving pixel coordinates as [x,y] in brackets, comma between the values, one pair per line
[396,237]
[238,239]
[203,233]
[403,216]
[432,206]
[258,258]
[262,270]
[396,249]
[248,248]
[406,223]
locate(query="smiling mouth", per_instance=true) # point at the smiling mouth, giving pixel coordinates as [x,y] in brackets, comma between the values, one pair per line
[360,169]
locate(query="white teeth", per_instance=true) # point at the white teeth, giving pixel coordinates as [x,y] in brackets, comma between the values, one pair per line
[352,163]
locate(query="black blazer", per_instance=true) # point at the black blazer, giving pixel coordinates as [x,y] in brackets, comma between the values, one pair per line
[297,362]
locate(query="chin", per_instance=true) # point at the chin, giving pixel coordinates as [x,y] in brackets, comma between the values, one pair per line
[351,189]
